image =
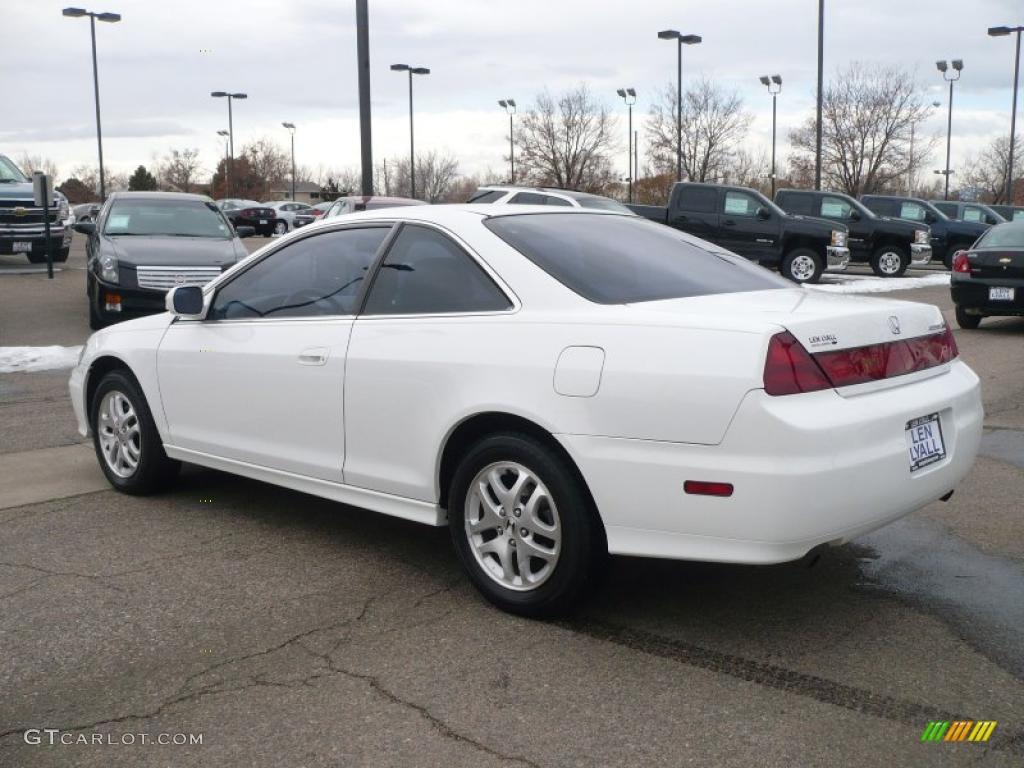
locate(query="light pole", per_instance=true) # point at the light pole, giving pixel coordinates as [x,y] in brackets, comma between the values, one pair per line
[509,105]
[291,130]
[1001,32]
[231,128]
[412,146]
[943,67]
[224,134]
[821,85]
[111,18]
[671,34]
[629,97]
[774,83]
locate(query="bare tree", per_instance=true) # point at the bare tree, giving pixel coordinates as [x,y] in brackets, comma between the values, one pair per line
[435,175]
[749,169]
[868,114]
[268,162]
[32,163]
[179,168]
[566,141]
[987,172]
[713,125]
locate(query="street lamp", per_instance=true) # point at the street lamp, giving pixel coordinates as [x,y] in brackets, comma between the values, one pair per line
[671,34]
[225,135]
[943,67]
[110,18]
[291,130]
[1002,32]
[412,146]
[509,105]
[231,127]
[629,97]
[774,83]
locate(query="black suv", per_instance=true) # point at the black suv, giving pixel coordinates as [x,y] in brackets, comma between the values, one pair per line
[748,223]
[948,235]
[888,245]
[957,209]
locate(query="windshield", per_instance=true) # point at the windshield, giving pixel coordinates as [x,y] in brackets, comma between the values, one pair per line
[625,259]
[1003,236]
[10,173]
[166,218]
[601,204]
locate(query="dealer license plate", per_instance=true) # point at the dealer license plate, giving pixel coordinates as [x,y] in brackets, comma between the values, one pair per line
[263,221]
[924,441]
[22,247]
[999,293]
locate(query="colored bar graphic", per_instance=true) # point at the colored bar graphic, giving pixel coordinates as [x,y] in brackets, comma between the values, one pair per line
[935,730]
[958,730]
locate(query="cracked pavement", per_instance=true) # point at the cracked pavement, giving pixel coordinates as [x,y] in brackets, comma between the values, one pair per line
[291,631]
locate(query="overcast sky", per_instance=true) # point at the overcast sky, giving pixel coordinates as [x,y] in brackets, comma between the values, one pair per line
[297,61]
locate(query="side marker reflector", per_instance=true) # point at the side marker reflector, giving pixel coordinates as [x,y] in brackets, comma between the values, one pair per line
[703,488]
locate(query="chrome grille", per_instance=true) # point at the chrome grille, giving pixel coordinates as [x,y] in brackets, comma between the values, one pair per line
[165,278]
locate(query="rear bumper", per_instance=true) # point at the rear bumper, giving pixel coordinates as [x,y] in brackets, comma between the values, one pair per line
[972,294]
[807,469]
[836,258]
[920,254]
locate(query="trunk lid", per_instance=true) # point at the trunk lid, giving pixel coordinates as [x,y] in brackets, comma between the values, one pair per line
[999,263]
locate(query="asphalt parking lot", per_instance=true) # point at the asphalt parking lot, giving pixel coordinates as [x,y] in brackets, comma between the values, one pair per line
[290,631]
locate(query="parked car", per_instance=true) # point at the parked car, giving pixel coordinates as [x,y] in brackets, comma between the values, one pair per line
[502,194]
[746,222]
[355,203]
[553,384]
[988,278]
[285,211]
[145,243]
[249,213]
[308,216]
[86,211]
[957,209]
[1009,212]
[22,223]
[948,235]
[890,246]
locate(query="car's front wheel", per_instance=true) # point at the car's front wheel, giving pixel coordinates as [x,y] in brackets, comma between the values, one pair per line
[125,437]
[802,265]
[523,525]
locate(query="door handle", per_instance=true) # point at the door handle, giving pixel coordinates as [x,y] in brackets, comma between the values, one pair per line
[314,356]
[728,223]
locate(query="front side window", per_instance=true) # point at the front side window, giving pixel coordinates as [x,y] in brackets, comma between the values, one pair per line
[912,211]
[740,204]
[312,277]
[167,217]
[426,273]
[835,208]
[626,259]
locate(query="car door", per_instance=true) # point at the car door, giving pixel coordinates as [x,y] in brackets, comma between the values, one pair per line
[695,210]
[740,228]
[840,211]
[434,318]
[261,379]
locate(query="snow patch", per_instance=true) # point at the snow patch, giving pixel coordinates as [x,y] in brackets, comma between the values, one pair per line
[29,359]
[879,284]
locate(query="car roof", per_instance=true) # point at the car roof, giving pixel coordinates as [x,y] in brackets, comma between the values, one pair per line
[161,196]
[575,194]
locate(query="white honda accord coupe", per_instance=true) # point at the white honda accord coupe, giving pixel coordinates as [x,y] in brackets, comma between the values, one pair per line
[554,385]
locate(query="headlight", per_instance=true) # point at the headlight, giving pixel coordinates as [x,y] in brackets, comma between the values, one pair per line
[922,236]
[108,267]
[838,238]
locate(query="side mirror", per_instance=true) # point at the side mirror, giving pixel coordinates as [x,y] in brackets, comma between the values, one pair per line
[85,227]
[185,301]
[763,213]
[854,214]
[245,231]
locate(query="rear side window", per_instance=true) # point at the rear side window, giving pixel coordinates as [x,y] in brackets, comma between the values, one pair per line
[612,259]
[485,196]
[697,199]
[947,208]
[533,198]
[426,273]
[796,203]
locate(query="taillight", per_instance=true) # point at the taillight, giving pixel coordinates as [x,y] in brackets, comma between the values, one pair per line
[960,262]
[883,361]
[789,368]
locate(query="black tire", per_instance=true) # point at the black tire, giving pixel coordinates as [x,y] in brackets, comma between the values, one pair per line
[154,469]
[281,227]
[890,260]
[61,255]
[797,258]
[36,257]
[96,321]
[582,546]
[966,321]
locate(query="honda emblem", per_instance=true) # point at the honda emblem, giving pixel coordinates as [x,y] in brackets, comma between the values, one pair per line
[894,325]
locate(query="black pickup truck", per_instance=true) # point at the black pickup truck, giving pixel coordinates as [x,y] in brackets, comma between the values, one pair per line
[23,225]
[748,223]
[948,235]
[888,245]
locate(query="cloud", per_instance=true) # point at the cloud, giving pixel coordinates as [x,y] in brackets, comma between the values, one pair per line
[131,129]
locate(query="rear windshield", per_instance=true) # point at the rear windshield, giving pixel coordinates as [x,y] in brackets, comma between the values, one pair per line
[625,259]
[601,203]
[1003,236]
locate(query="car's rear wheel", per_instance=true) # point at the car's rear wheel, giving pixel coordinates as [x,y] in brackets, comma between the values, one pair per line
[966,321]
[127,443]
[523,525]
[281,227]
[802,265]
[890,261]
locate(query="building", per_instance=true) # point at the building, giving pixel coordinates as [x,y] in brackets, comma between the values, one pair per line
[305,192]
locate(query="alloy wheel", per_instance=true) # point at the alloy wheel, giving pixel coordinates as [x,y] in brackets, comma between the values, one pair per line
[889,263]
[120,434]
[802,268]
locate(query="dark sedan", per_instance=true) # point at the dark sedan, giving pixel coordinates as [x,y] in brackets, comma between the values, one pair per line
[248,213]
[144,243]
[988,278]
